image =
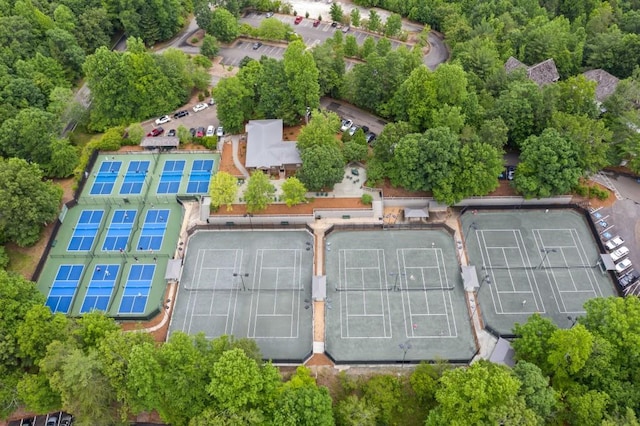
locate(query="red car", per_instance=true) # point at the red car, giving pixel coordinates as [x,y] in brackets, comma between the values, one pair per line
[298,20]
[316,22]
[200,132]
[155,132]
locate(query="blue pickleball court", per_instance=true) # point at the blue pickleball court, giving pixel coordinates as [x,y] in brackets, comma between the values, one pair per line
[200,177]
[136,290]
[119,230]
[171,177]
[100,288]
[106,178]
[134,179]
[64,288]
[153,229]
[85,230]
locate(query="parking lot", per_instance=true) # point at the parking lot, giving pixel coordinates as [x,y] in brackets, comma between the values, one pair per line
[205,118]
[53,419]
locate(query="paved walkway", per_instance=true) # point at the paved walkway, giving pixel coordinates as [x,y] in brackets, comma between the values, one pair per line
[235,143]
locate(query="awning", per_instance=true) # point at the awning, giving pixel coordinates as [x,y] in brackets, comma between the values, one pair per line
[608,263]
[470,278]
[422,213]
[319,287]
[174,266]
[503,353]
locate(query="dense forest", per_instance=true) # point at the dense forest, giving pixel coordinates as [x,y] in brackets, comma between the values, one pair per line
[585,375]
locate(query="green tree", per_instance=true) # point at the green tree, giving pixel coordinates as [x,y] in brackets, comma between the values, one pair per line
[383,46]
[223,25]
[531,345]
[64,159]
[35,392]
[302,402]
[549,166]
[538,395]
[236,382]
[39,328]
[354,411]
[576,95]
[480,164]
[355,17]
[356,149]
[385,393]
[322,166]
[29,135]
[321,130]
[27,203]
[92,327]
[234,101]
[302,79]
[520,106]
[259,192]
[273,29]
[223,190]
[393,26]
[294,191]
[210,47]
[331,66]
[484,393]
[336,12]
[4,258]
[136,133]
[494,132]
[351,45]
[368,47]
[587,408]
[374,23]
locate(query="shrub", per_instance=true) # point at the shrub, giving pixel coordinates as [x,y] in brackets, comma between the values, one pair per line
[582,190]
[366,199]
[201,96]
[195,40]
[599,193]
[4,258]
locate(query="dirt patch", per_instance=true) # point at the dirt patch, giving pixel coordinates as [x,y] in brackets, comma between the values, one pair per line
[291,133]
[226,160]
[391,191]
[595,202]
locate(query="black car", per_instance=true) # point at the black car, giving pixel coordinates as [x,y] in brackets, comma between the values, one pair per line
[257,45]
[193,132]
[172,132]
[181,114]
[370,136]
[365,129]
[334,24]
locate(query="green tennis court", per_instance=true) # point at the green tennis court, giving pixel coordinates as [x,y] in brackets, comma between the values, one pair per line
[544,261]
[249,284]
[394,296]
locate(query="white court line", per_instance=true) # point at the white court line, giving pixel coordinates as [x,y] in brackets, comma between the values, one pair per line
[408,311]
[361,297]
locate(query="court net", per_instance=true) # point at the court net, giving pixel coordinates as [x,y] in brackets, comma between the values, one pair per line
[383,289]
[221,289]
[540,267]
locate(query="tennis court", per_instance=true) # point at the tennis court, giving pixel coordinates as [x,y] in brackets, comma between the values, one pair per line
[100,290]
[134,178]
[153,229]
[249,284]
[86,230]
[394,296]
[119,230]
[533,261]
[106,177]
[64,287]
[171,177]
[200,176]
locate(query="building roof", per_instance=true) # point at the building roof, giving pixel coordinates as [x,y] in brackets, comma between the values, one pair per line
[542,73]
[416,213]
[265,147]
[503,353]
[606,83]
[513,64]
[160,142]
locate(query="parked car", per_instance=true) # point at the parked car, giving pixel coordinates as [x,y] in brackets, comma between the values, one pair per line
[346,29]
[220,131]
[503,174]
[353,130]
[619,253]
[346,125]
[200,132]
[334,24]
[163,119]
[192,131]
[511,172]
[269,14]
[365,129]
[155,132]
[623,265]
[52,421]
[26,422]
[628,279]
[66,420]
[297,20]
[172,132]
[257,45]
[210,130]
[212,101]
[316,23]
[200,107]
[370,136]
[613,243]
[180,114]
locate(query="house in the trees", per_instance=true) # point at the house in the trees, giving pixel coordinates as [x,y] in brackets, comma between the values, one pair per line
[542,73]
[267,151]
[606,83]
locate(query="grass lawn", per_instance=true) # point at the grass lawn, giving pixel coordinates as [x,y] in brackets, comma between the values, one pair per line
[21,261]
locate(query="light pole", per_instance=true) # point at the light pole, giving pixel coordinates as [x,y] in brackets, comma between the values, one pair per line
[486,279]
[395,283]
[242,277]
[249,215]
[405,348]
[572,320]
[546,252]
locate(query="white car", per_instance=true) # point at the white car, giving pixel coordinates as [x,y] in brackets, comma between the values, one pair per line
[614,242]
[346,125]
[623,265]
[220,132]
[200,107]
[210,131]
[619,253]
[353,130]
[163,119]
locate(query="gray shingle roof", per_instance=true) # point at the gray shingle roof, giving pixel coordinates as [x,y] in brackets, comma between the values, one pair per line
[513,64]
[265,147]
[606,83]
[542,73]
[160,141]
